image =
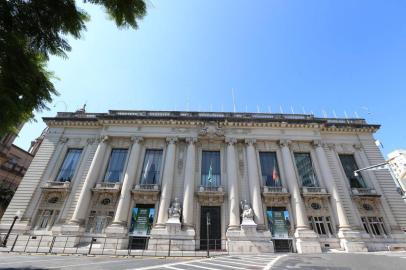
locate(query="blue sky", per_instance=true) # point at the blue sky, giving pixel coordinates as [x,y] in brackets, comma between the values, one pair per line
[343,56]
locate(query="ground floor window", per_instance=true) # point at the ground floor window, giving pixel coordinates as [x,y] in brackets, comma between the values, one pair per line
[98,221]
[46,218]
[374,226]
[321,225]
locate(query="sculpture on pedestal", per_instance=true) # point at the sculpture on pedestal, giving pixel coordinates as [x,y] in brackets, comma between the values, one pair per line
[247,212]
[175,210]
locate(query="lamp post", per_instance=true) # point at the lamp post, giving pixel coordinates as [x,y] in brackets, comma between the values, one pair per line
[17,215]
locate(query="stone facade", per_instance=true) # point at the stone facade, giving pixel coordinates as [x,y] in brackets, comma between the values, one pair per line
[321,205]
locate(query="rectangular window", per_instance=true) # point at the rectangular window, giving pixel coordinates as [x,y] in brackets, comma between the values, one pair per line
[68,168]
[151,169]
[211,170]
[98,221]
[321,225]
[46,218]
[374,226]
[269,169]
[116,165]
[349,165]
[305,169]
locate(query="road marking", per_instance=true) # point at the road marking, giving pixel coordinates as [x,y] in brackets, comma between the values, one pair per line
[169,264]
[71,265]
[171,267]
[222,265]
[240,263]
[199,266]
[270,264]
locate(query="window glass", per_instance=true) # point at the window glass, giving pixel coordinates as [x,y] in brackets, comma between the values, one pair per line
[98,221]
[68,168]
[269,169]
[151,169]
[211,170]
[116,165]
[349,166]
[278,222]
[142,219]
[305,169]
[374,226]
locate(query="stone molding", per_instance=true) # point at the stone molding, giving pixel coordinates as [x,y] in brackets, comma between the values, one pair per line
[171,140]
[250,141]
[230,140]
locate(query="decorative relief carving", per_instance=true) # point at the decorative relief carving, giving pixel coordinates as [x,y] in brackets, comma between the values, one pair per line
[231,141]
[317,143]
[90,140]
[136,139]
[171,140]
[358,146]
[285,143]
[250,141]
[191,140]
[211,130]
[63,140]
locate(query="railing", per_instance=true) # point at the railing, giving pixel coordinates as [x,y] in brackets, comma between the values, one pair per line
[271,189]
[210,188]
[106,185]
[363,191]
[131,246]
[56,184]
[152,187]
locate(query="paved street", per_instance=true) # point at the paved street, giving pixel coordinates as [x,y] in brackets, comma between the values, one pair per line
[326,261]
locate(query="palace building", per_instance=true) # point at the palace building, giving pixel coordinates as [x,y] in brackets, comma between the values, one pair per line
[241,182]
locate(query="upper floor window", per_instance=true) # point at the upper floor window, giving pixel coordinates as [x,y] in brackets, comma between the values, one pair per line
[151,169]
[116,165]
[68,168]
[269,169]
[349,166]
[211,170]
[305,169]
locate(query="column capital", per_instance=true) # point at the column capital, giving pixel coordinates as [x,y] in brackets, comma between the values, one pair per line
[171,140]
[317,143]
[63,140]
[104,139]
[285,143]
[191,140]
[331,146]
[136,139]
[90,140]
[250,141]
[358,146]
[231,141]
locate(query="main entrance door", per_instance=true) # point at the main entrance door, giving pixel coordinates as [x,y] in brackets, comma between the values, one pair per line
[142,218]
[213,213]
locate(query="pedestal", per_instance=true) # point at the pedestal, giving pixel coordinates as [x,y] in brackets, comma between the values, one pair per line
[248,240]
[307,241]
[351,240]
[172,236]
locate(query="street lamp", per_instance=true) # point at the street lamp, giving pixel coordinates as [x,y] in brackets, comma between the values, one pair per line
[17,215]
[208,223]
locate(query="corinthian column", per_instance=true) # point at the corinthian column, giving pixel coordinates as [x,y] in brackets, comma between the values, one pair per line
[189,183]
[232,179]
[167,182]
[254,183]
[121,215]
[296,198]
[91,178]
[331,186]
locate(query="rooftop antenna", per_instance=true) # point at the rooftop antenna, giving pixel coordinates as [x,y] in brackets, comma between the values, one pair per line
[258,109]
[312,113]
[211,107]
[346,115]
[246,108]
[280,107]
[303,109]
[324,113]
[222,108]
[356,114]
[269,109]
[291,108]
[334,113]
[232,94]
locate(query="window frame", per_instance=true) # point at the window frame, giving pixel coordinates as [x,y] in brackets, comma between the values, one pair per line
[362,183]
[218,180]
[314,173]
[108,165]
[158,180]
[78,163]
[263,181]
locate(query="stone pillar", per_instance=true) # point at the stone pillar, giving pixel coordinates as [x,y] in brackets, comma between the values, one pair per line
[232,179]
[121,214]
[189,183]
[306,239]
[254,184]
[79,215]
[167,182]
[350,239]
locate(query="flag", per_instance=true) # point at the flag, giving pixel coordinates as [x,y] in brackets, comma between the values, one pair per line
[275,175]
[210,176]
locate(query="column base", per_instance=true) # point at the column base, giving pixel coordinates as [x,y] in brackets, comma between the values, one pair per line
[307,241]
[351,240]
[116,230]
[72,229]
[249,240]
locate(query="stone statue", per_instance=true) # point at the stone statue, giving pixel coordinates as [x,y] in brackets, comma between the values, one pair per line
[175,210]
[247,212]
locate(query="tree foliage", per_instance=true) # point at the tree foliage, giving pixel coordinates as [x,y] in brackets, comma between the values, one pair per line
[31,31]
[6,194]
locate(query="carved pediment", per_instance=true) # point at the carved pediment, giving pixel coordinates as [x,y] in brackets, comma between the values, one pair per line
[211,130]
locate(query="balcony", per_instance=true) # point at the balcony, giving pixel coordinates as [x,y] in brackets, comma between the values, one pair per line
[106,187]
[275,196]
[364,192]
[146,192]
[52,186]
[210,195]
[314,192]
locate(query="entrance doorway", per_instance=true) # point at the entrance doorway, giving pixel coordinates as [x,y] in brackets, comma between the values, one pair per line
[213,213]
[142,218]
[279,225]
